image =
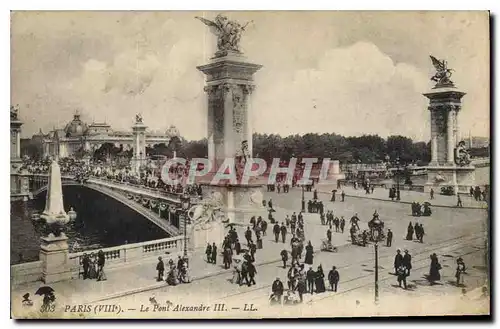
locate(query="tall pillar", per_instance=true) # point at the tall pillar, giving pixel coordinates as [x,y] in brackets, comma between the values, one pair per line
[450,138]
[15,136]
[139,132]
[445,102]
[229,85]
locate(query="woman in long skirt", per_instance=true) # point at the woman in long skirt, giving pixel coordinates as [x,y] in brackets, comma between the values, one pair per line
[409,234]
[320,280]
[434,274]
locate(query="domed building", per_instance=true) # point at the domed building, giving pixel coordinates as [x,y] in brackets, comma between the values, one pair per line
[78,136]
[76,127]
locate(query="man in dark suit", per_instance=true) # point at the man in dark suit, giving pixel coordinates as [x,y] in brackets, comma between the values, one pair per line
[398,261]
[333,278]
[407,262]
[278,289]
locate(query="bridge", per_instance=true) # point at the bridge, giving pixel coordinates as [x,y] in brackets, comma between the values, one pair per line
[160,207]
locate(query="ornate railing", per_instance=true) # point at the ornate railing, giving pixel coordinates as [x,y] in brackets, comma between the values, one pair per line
[130,253]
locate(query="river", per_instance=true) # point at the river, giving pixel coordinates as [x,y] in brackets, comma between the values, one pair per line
[101,222]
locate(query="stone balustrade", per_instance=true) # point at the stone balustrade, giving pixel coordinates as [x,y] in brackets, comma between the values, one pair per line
[130,253]
[26,272]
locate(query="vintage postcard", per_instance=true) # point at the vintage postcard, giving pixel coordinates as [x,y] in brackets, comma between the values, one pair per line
[217,165]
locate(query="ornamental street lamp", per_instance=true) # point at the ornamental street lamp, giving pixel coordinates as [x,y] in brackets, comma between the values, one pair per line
[377,228]
[398,191]
[185,203]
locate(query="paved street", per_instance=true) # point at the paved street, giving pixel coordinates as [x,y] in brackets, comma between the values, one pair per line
[450,232]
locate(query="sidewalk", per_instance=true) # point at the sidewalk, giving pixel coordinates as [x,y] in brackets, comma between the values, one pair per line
[407,197]
[138,277]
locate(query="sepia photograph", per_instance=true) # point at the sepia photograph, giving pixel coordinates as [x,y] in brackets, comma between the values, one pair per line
[249,164]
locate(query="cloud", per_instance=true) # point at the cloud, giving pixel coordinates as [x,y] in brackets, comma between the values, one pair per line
[354,90]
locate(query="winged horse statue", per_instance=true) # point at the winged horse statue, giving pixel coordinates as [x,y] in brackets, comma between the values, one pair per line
[443,73]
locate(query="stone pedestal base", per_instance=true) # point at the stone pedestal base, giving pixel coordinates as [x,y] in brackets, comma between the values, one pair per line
[241,202]
[54,254]
[460,178]
[206,233]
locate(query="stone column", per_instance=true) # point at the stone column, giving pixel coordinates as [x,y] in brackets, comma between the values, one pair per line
[450,138]
[434,151]
[18,150]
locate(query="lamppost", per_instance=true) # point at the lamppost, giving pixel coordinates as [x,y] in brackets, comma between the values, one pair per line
[377,227]
[185,203]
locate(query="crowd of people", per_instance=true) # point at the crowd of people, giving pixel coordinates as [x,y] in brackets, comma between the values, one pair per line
[93,266]
[177,273]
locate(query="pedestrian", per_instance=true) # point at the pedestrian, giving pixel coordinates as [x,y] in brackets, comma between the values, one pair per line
[208,252]
[398,261]
[432,194]
[284,257]
[409,232]
[343,195]
[329,235]
[389,238]
[315,194]
[227,258]
[283,232]
[86,265]
[214,253]
[276,231]
[402,274]
[319,280]
[252,271]
[310,280]
[333,278]
[435,267]
[308,259]
[248,235]
[244,273]
[460,271]
[277,289]
[270,203]
[160,268]
[422,233]
[417,231]
[342,223]
[101,259]
[237,246]
[407,262]
[333,195]
[263,226]
[459,201]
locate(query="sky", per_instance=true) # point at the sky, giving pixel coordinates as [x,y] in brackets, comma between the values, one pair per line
[350,73]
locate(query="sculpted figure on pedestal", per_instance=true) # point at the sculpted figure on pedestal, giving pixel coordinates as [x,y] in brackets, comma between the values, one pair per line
[462,157]
[228,32]
[443,73]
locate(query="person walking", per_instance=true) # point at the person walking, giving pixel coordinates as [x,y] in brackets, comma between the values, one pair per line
[333,195]
[459,201]
[407,262]
[248,235]
[308,259]
[422,233]
[283,232]
[389,238]
[343,195]
[398,261]
[402,274]
[277,289]
[214,253]
[284,257]
[86,266]
[409,232]
[333,278]
[252,271]
[276,231]
[101,259]
[342,223]
[160,268]
[310,275]
[329,235]
[460,271]
[432,194]
[435,267]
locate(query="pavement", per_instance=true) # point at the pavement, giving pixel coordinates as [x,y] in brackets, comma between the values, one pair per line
[407,197]
[449,231]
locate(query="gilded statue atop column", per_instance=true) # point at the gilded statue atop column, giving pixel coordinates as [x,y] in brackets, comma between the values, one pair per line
[228,32]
